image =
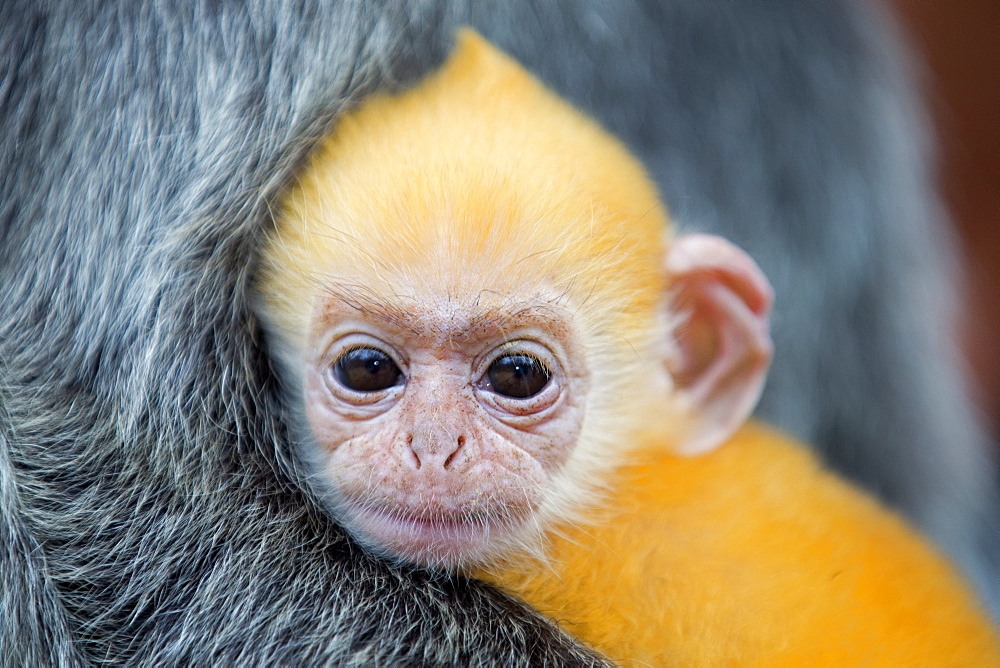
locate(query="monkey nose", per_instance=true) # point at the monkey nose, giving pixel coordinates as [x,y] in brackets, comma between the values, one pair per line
[434,452]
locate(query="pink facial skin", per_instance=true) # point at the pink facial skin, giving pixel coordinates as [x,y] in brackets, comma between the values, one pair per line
[440,468]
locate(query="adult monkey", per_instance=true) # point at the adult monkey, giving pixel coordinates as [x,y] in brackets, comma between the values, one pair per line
[148,510]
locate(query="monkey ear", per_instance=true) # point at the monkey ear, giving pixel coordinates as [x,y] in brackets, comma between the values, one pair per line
[722,343]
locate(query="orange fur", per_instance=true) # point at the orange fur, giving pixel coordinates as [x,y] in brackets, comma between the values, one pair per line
[478,161]
[750,554]
[479,171]
[753,555]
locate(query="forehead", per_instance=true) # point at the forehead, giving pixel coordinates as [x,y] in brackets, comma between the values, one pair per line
[476,179]
[479,167]
[444,316]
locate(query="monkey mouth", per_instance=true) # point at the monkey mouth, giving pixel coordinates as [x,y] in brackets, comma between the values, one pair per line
[446,539]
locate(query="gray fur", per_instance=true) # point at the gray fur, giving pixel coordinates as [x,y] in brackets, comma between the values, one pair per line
[156,520]
[151,509]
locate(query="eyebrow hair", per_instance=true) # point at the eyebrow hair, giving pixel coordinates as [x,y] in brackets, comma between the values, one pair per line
[365,300]
[497,316]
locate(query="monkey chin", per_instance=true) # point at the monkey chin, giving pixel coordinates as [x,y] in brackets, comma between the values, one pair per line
[450,541]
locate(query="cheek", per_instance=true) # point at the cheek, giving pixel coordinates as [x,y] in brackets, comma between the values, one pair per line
[545,450]
[327,430]
[552,442]
[367,466]
[329,426]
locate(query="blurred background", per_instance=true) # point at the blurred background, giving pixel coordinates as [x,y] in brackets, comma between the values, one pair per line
[959,42]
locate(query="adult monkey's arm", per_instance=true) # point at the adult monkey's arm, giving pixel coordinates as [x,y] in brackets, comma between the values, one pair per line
[149,514]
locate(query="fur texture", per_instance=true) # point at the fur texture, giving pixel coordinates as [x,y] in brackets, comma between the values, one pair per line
[150,516]
[753,555]
[148,511]
[480,192]
[479,187]
[794,130]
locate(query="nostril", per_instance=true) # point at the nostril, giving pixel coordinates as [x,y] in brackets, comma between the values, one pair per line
[451,457]
[413,453]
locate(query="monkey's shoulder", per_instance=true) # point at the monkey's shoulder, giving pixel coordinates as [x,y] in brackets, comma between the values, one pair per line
[754,552]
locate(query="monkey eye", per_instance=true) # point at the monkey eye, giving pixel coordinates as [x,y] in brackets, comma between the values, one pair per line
[517,375]
[365,369]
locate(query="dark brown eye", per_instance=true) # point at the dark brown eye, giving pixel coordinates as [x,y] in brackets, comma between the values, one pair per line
[366,370]
[517,375]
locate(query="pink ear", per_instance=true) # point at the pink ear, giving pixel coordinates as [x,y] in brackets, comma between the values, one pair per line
[723,345]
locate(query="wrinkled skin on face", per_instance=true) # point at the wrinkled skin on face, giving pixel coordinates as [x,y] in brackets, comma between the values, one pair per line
[438,426]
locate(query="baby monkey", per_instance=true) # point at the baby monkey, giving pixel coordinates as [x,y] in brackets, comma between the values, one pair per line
[497,350]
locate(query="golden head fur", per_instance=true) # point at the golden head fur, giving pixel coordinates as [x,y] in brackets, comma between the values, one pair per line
[480,192]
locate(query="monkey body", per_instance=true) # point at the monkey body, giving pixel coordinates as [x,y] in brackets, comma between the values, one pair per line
[752,554]
[477,216]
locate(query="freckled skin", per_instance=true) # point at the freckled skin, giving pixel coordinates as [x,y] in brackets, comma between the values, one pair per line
[440,469]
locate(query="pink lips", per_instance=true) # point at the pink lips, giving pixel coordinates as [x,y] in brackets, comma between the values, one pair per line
[445,539]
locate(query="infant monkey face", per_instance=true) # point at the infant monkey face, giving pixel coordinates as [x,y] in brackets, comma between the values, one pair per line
[437,427]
